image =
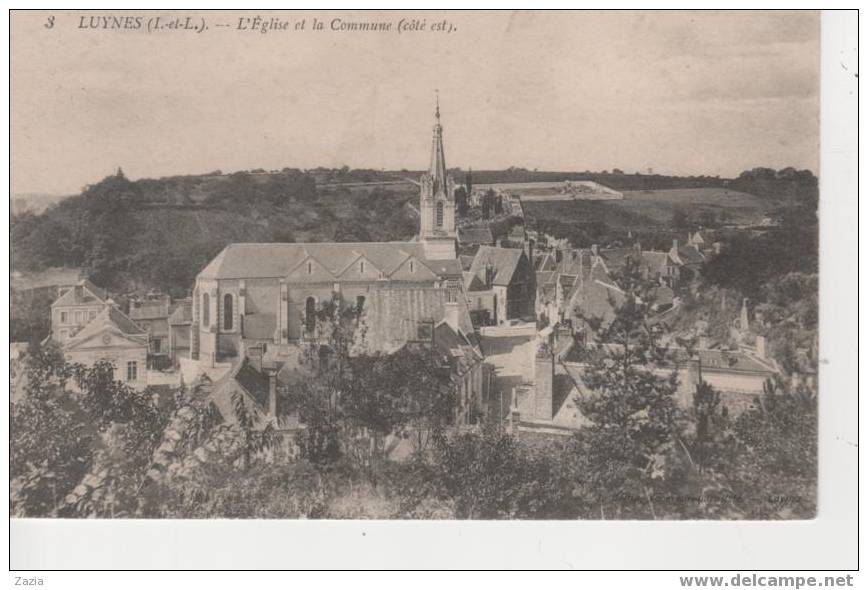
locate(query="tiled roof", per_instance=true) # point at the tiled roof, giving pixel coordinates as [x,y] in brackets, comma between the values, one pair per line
[244,261]
[83,293]
[575,261]
[457,346]
[254,382]
[475,235]
[686,255]
[616,258]
[150,310]
[246,378]
[731,361]
[392,316]
[183,313]
[654,260]
[110,316]
[504,261]
[544,277]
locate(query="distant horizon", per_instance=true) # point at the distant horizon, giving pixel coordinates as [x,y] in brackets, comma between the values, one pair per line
[14,195]
[685,93]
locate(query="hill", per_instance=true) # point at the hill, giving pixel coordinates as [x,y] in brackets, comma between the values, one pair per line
[158,233]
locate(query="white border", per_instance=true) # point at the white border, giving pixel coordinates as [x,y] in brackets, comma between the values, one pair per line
[827,542]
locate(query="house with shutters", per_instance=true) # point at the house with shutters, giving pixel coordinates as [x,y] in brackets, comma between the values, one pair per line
[75,307]
[152,315]
[501,285]
[111,336]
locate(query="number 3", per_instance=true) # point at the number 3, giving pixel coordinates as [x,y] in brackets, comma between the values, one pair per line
[50,23]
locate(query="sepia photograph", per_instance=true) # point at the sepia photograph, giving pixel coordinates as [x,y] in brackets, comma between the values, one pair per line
[415,265]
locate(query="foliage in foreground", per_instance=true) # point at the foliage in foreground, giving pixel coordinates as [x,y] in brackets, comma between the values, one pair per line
[87,446]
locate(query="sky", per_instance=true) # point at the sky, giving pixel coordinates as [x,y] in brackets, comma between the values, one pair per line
[678,92]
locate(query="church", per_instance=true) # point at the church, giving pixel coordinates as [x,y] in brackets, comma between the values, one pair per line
[267,295]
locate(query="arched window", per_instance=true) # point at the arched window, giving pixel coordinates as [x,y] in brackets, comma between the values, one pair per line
[227,312]
[310,315]
[206,310]
[440,214]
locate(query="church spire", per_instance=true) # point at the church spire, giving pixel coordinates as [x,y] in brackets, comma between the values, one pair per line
[438,158]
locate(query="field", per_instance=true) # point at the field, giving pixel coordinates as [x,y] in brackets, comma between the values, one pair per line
[654,208]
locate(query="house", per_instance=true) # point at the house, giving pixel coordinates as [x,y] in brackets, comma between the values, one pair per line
[152,315]
[687,259]
[467,370]
[114,337]
[262,386]
[501,282]
[180,322]
[75,307]
[549,399]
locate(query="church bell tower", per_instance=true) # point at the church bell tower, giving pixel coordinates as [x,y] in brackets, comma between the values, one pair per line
[437,201]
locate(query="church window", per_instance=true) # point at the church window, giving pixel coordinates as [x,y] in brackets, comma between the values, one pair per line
[440,214]
[206,310]
[227,312]
[310,315]
[132,371]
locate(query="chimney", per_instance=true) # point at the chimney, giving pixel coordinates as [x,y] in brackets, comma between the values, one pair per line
[675,244]
[544,374]
[761,346]
[254,356]
[530,245]
[271,371]
[638,247]
[594,249]
[450,314]
[744,319]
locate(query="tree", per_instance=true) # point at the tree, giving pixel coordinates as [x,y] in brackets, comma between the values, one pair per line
[491,474]
[407,394]
[81,451]
[776,472]
[461,201]
[626,450]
